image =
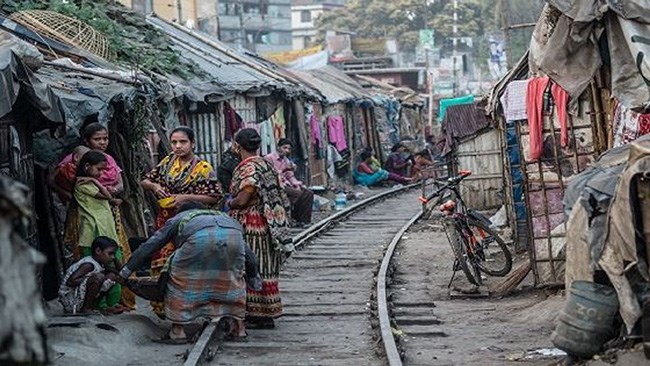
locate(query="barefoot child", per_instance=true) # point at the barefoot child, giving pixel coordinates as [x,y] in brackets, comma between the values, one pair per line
[96,218]
[86,280]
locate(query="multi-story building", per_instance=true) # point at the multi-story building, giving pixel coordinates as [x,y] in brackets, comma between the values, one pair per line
[303,16]
[260,25]
[196,14]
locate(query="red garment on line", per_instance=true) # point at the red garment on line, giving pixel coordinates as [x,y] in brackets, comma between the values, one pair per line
[561,98]
[534,109]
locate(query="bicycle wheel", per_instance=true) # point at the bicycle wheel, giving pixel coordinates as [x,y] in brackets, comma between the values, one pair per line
[491,252]
[459,247]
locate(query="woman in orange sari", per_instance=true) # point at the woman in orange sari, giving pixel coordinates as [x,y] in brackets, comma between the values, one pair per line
[179,178]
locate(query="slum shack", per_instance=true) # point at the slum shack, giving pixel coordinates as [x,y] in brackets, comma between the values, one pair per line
[573,97]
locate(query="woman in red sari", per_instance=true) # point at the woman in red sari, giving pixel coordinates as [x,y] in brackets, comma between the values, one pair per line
[259,204]
[179,178]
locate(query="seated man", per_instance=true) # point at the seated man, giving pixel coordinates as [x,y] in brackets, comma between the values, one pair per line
[300,197]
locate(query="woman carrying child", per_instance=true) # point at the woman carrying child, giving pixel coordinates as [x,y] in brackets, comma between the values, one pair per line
[95,137]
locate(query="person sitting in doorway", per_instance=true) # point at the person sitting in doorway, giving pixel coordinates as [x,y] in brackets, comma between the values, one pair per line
[300,197]
[368,174]
[399,160]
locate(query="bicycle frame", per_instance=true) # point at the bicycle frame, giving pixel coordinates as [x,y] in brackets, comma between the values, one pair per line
[460,215]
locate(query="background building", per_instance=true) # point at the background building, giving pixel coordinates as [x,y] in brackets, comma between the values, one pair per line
[195,14]
[261,26]
[303,16]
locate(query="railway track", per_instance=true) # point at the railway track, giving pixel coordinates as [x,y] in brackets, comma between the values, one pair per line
[326,290]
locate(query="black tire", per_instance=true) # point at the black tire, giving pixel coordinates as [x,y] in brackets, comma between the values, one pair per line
[497,259]
[459,248]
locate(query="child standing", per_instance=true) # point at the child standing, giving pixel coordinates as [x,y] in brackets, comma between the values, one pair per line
[96,218]
[87,279]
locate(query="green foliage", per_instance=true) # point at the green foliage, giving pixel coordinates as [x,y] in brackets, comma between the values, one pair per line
[133,42]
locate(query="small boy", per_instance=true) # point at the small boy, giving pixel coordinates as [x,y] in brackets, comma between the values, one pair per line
[86,280]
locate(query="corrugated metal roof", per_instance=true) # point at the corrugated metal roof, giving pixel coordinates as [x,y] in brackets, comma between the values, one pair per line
[333,85]
[230,70]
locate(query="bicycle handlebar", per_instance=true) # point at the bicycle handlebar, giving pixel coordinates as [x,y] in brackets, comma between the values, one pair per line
[451,182]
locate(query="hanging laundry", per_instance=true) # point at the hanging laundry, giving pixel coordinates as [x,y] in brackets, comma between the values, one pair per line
[629,125]
[316,135]
[513,100]
[535,96]
[336,130]
[446,103]
[279,123]
[561,98]
[534,108]
[268,138]
[644,124]
[333,158]
[233,121]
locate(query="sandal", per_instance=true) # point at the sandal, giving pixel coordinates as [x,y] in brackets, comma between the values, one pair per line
[167,339]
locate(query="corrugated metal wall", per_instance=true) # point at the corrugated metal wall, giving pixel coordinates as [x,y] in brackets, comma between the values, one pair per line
[209,140]
[482,155]
[245,107]
[210,128]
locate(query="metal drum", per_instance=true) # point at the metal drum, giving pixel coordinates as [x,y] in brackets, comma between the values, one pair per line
[587,319]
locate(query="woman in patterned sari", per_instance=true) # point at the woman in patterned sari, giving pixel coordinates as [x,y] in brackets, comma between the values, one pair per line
[179,178]
[259,204]
[95,137]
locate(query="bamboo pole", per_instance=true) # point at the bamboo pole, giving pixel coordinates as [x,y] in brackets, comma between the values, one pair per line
[90,72]
[597,118]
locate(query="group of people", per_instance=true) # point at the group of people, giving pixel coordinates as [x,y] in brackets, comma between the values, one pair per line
[400,167]
[214,254]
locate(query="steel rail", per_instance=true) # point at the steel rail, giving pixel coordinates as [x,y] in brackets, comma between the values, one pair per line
[200,349]
[301,238]
[387,338]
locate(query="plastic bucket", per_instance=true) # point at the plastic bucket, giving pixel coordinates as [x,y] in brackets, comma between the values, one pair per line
[587,319]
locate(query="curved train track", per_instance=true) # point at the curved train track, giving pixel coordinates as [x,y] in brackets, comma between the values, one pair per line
[332,292]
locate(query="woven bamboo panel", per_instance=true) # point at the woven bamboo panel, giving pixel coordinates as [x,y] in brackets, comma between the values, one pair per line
[64,29]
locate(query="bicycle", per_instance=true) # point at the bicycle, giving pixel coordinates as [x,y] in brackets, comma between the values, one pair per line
[476,246]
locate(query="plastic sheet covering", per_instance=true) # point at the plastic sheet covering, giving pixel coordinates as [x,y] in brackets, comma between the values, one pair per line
[600,233]
[572,54]
[15,75]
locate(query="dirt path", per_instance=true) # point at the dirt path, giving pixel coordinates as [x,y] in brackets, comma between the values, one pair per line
[444,331]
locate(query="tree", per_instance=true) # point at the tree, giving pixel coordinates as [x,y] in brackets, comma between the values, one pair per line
[403,19]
